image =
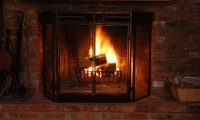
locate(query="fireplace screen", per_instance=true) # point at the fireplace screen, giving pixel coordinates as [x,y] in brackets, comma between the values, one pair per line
[96,56]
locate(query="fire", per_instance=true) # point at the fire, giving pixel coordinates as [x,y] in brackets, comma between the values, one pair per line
[103,46]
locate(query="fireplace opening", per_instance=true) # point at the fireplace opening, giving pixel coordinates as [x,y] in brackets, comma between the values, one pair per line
[96,56]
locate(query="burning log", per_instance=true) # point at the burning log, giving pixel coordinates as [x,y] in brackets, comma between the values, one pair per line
[108,67]
[86,63]
[99,59]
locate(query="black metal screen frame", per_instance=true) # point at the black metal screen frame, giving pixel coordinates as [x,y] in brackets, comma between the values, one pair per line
[76,97]
[149,16]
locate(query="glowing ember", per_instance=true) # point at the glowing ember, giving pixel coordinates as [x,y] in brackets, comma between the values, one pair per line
[103,46]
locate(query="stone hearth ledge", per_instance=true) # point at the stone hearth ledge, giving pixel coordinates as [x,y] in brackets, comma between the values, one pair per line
[150,108]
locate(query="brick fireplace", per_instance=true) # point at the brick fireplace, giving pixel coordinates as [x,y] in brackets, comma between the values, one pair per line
[175,51]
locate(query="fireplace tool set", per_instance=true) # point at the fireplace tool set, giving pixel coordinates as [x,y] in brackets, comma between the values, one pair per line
[10,64]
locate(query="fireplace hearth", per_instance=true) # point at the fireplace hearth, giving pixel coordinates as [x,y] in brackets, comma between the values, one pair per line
[96,56]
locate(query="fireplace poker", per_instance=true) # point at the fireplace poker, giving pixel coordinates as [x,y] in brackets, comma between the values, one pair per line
[20,89]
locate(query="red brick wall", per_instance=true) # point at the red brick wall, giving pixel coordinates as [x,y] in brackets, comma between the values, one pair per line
[176,34]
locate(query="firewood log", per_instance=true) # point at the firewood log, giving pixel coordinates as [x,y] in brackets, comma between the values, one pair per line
[99,59]
[86,63]
[108,67]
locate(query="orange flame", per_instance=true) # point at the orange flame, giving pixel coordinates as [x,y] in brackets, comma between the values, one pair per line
[103,46]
